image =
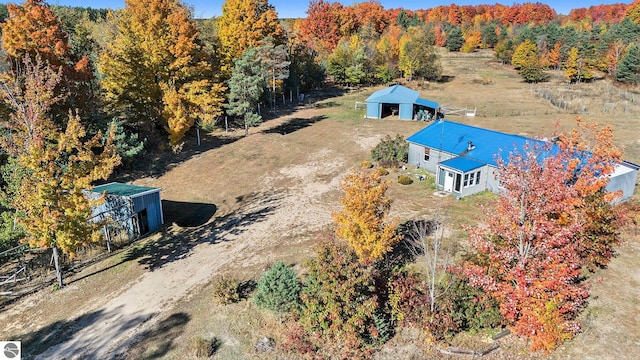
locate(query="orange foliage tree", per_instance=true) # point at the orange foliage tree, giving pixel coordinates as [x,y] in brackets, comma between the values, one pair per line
[34,30]
[363,220]
[541,232]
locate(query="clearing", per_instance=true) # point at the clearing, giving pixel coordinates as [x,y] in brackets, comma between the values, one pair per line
[237,204]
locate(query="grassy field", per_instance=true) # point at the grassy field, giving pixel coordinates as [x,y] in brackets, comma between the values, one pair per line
[266,197]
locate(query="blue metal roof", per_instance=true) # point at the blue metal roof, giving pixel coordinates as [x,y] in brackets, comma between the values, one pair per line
[398,94]
[427,103]
[463,164]
[454,138]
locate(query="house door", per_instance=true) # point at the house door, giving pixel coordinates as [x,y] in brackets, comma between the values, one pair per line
[448,182]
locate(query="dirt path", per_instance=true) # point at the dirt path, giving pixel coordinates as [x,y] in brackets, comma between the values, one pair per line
[282,204]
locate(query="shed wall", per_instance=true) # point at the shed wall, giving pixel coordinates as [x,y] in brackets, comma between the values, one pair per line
[406,112]
[153,204]
[373,110]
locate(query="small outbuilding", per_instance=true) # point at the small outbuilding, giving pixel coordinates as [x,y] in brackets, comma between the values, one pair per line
[402,102]
[134,210]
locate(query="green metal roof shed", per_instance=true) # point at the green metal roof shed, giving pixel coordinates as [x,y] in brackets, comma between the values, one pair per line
[137,207]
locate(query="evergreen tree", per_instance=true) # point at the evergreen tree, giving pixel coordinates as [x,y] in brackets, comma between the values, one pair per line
[455,39]
[246,86]
[278,289]
[628,70]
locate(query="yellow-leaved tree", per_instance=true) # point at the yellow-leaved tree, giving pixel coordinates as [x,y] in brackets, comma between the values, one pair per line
[156,72]
[52,201]
[244,24]
[363,221]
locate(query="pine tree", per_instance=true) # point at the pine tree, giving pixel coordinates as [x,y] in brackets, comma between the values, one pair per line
[278,289]
[628,70]
[455,40]
[245,88]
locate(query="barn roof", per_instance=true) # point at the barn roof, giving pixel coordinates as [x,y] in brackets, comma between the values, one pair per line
[470,142]
[398,94]
[128,190]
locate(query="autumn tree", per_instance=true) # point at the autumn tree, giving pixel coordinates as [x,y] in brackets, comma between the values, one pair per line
[156,74]
[633,11]
[244,24]
[418,56]
[363,221]
[321,28]
[526,60]
[51,201]
[472,41]
[33,30]
[348,64]
[523,52]
[504,51]
[541,233]
[527,257]
[246,86]
[576,68]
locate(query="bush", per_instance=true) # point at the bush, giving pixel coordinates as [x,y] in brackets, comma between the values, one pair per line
[366,164]
[339,298]
[203,348]
[382,171]
[391,151]
[405,179]
[278,289]
[473,308]
[225,290]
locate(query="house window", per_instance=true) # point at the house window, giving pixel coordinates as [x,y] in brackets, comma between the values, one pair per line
[471,179]
[457,187]
[427,152]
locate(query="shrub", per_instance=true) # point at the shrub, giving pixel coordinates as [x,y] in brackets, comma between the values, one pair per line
[278,289]
[382,171]
[405,179]
[408,299]
[225,290]
[204,348]
[297,341]
[391,151]
[366,164]
[339,298]
[474,309]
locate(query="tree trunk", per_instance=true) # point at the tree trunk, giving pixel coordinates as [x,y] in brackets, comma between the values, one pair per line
[56,262]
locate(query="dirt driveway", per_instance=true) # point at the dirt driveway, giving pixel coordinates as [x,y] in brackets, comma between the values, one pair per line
[265,193]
